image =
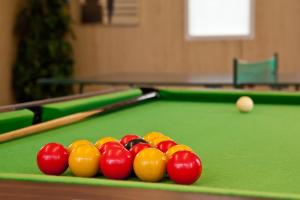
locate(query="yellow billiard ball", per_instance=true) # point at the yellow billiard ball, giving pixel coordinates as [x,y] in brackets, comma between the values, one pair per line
[76,144]
[84,161]
[104,140]
[149,137]
[244,104]
[176,148]
[157,140]
[150,165]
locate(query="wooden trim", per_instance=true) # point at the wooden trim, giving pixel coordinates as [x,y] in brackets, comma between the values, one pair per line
[31,190]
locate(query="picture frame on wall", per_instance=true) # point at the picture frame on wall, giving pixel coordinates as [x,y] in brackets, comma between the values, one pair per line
[110,12]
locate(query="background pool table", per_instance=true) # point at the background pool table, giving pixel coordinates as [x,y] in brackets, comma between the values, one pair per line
[245,156]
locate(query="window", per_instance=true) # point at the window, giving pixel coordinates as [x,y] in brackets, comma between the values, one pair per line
[219,18]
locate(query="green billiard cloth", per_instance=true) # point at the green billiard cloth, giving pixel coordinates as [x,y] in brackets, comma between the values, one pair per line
[254,154]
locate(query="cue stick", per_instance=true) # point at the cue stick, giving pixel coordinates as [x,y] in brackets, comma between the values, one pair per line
[62,121]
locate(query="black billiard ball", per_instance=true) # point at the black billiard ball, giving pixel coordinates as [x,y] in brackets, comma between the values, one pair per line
[133,142]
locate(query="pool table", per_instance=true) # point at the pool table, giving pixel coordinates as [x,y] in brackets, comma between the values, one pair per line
[252,155]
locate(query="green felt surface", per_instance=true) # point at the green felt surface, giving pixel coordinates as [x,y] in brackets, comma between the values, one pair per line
[254,154]
[55,110]
[15,119]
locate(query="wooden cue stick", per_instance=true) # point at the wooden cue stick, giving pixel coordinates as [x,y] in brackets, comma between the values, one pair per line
[62,121]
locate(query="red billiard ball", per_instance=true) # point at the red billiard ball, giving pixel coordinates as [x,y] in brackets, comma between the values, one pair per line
[116,163]
[184,167]
[138,147]
[165,145]
[109,145]
[52,159]
[127,138]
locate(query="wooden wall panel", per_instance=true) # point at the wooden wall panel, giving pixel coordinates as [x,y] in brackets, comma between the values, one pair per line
[157,44]
[277,30]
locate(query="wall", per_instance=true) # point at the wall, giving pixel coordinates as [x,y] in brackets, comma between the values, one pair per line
[8,10]
[277,30]
[158,42]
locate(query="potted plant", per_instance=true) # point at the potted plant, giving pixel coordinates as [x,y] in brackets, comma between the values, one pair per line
[44,50]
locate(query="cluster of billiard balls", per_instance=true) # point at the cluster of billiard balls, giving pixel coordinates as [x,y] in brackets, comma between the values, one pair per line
[151,159]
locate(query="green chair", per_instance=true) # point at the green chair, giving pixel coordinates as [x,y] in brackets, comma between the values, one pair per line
[255,72]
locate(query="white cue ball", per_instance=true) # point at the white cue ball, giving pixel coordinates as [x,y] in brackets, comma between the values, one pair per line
[244,104]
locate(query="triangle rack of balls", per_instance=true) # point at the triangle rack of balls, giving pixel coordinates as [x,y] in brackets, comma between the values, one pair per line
[152,158]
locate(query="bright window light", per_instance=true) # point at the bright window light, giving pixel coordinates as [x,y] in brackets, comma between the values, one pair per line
[219,18]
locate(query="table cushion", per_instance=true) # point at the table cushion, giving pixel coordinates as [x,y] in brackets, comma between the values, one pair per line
[55,110]
[15,119]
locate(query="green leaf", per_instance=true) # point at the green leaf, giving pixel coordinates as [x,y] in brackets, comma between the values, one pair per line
[42,27]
